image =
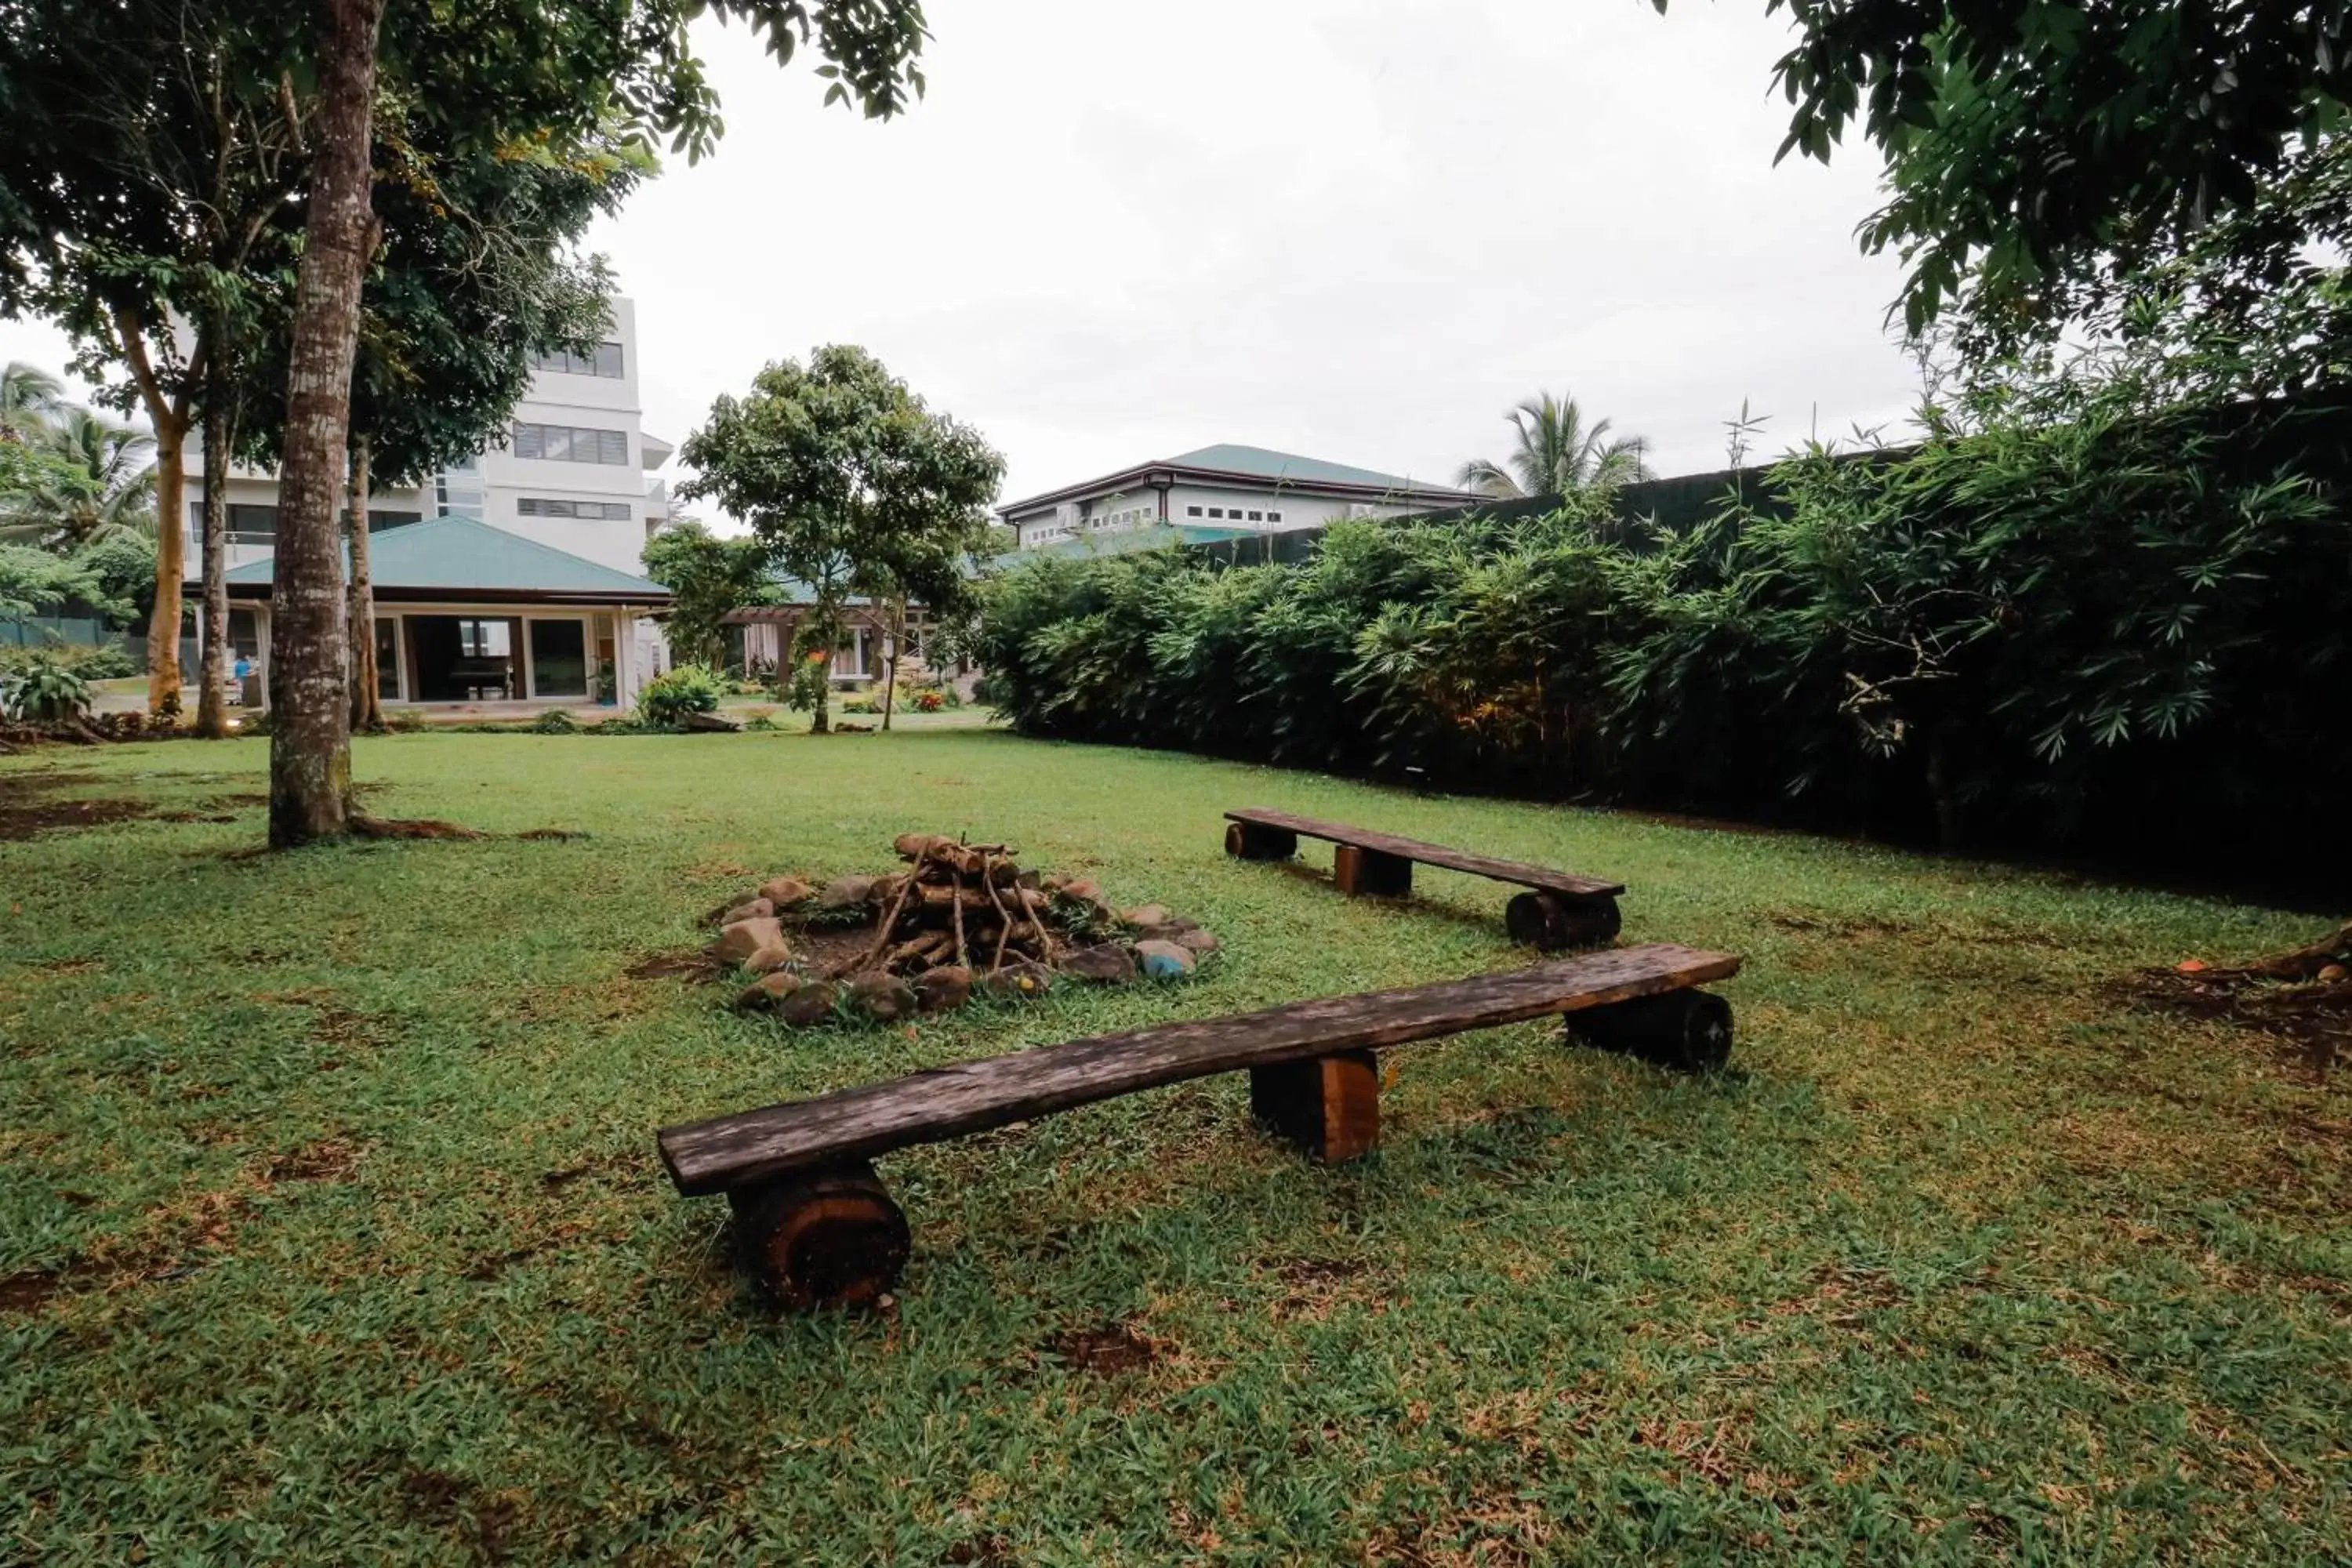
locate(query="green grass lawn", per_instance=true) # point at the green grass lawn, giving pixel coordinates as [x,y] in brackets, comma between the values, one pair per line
[330,1227]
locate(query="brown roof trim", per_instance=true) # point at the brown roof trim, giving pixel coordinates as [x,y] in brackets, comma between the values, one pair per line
[1159,476]
[258,593]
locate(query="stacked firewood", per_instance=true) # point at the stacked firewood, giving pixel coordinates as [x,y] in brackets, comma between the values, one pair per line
[960,918]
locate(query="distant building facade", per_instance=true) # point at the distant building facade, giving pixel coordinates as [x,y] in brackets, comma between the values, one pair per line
[1224,486]
[571,477]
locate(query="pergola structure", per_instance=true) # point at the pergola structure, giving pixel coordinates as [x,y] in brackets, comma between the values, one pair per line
[769,631]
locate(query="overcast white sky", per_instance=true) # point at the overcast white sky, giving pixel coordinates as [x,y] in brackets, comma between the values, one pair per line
[1358,229]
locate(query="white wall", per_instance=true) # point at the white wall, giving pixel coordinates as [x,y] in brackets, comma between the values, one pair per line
[583,402]
[556,397]
[1297,511]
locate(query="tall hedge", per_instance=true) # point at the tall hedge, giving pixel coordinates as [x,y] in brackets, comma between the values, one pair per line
[2123,634]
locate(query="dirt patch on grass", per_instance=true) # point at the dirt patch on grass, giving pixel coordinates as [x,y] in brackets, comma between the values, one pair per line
[688,966]
[438,1498]
[2312,1019]
[22,819]
[325,1161]
[28,1290]
[1105,1351]
[1317,1270]
[331,1023]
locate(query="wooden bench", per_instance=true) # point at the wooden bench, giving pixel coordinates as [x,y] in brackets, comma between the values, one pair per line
[814,1225]
[1560,910]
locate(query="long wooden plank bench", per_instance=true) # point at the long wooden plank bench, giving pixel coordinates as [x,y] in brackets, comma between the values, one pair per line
[1561,910]
[815,1225]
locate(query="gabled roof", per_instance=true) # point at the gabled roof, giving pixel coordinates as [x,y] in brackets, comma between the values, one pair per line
[1254,468]
[1229,459]
[467,557]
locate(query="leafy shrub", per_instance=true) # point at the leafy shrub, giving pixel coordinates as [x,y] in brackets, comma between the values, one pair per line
[110,661]
[555,722]
[105,661]
[668,698]
[761,722]
[45,689]
[2091,619]
[928,702]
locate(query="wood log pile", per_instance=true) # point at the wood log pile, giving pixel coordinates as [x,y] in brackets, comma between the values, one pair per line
[960,919]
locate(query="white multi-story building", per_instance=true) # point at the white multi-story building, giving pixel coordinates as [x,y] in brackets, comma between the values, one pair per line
[1221,491]
[460,611]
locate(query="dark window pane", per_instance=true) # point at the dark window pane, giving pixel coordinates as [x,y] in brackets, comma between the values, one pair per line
[387,659]
[528,441]
[558,657]
[613,447]
[608,360]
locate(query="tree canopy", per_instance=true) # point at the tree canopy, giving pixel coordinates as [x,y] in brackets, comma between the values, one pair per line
[2033,146]
[853,485]
[707,577]
[1556,453]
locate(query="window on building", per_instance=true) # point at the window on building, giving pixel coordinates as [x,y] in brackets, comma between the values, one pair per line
[387,659]
[1274,517]
[571,443]
[1217,511]
[248,524]
[484,639]
[1258,517]
[591,510]
[605,361]
[558,657]
[1192,512]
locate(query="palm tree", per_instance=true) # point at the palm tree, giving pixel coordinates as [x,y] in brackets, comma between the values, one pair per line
[102,481]
[29,395]
[1557,454]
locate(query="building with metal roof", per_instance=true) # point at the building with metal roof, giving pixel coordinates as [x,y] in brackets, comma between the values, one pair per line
[466,612]
[1225,487]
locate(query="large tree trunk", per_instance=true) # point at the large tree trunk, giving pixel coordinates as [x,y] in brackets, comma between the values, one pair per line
[896,620]
[169,415]
[367,705]
[220,440]
[171,565]
[309,673]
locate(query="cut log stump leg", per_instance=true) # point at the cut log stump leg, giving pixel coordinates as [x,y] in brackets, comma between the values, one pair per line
[1253,841]
[1328,1106]
[1688,1030]
[1369,874]
[1556,922]
[822,1238]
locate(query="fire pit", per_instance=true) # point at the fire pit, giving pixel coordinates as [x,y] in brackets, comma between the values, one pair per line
[960,920]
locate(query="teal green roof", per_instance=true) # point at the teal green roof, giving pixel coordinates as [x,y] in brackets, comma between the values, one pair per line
[461,555]
[1230,458]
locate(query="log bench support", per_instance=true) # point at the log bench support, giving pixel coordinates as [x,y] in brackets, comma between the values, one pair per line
[1555,922]
[1364,873]
[1329,1107]
[832,1237]
[1689,1031]
[1255,841]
